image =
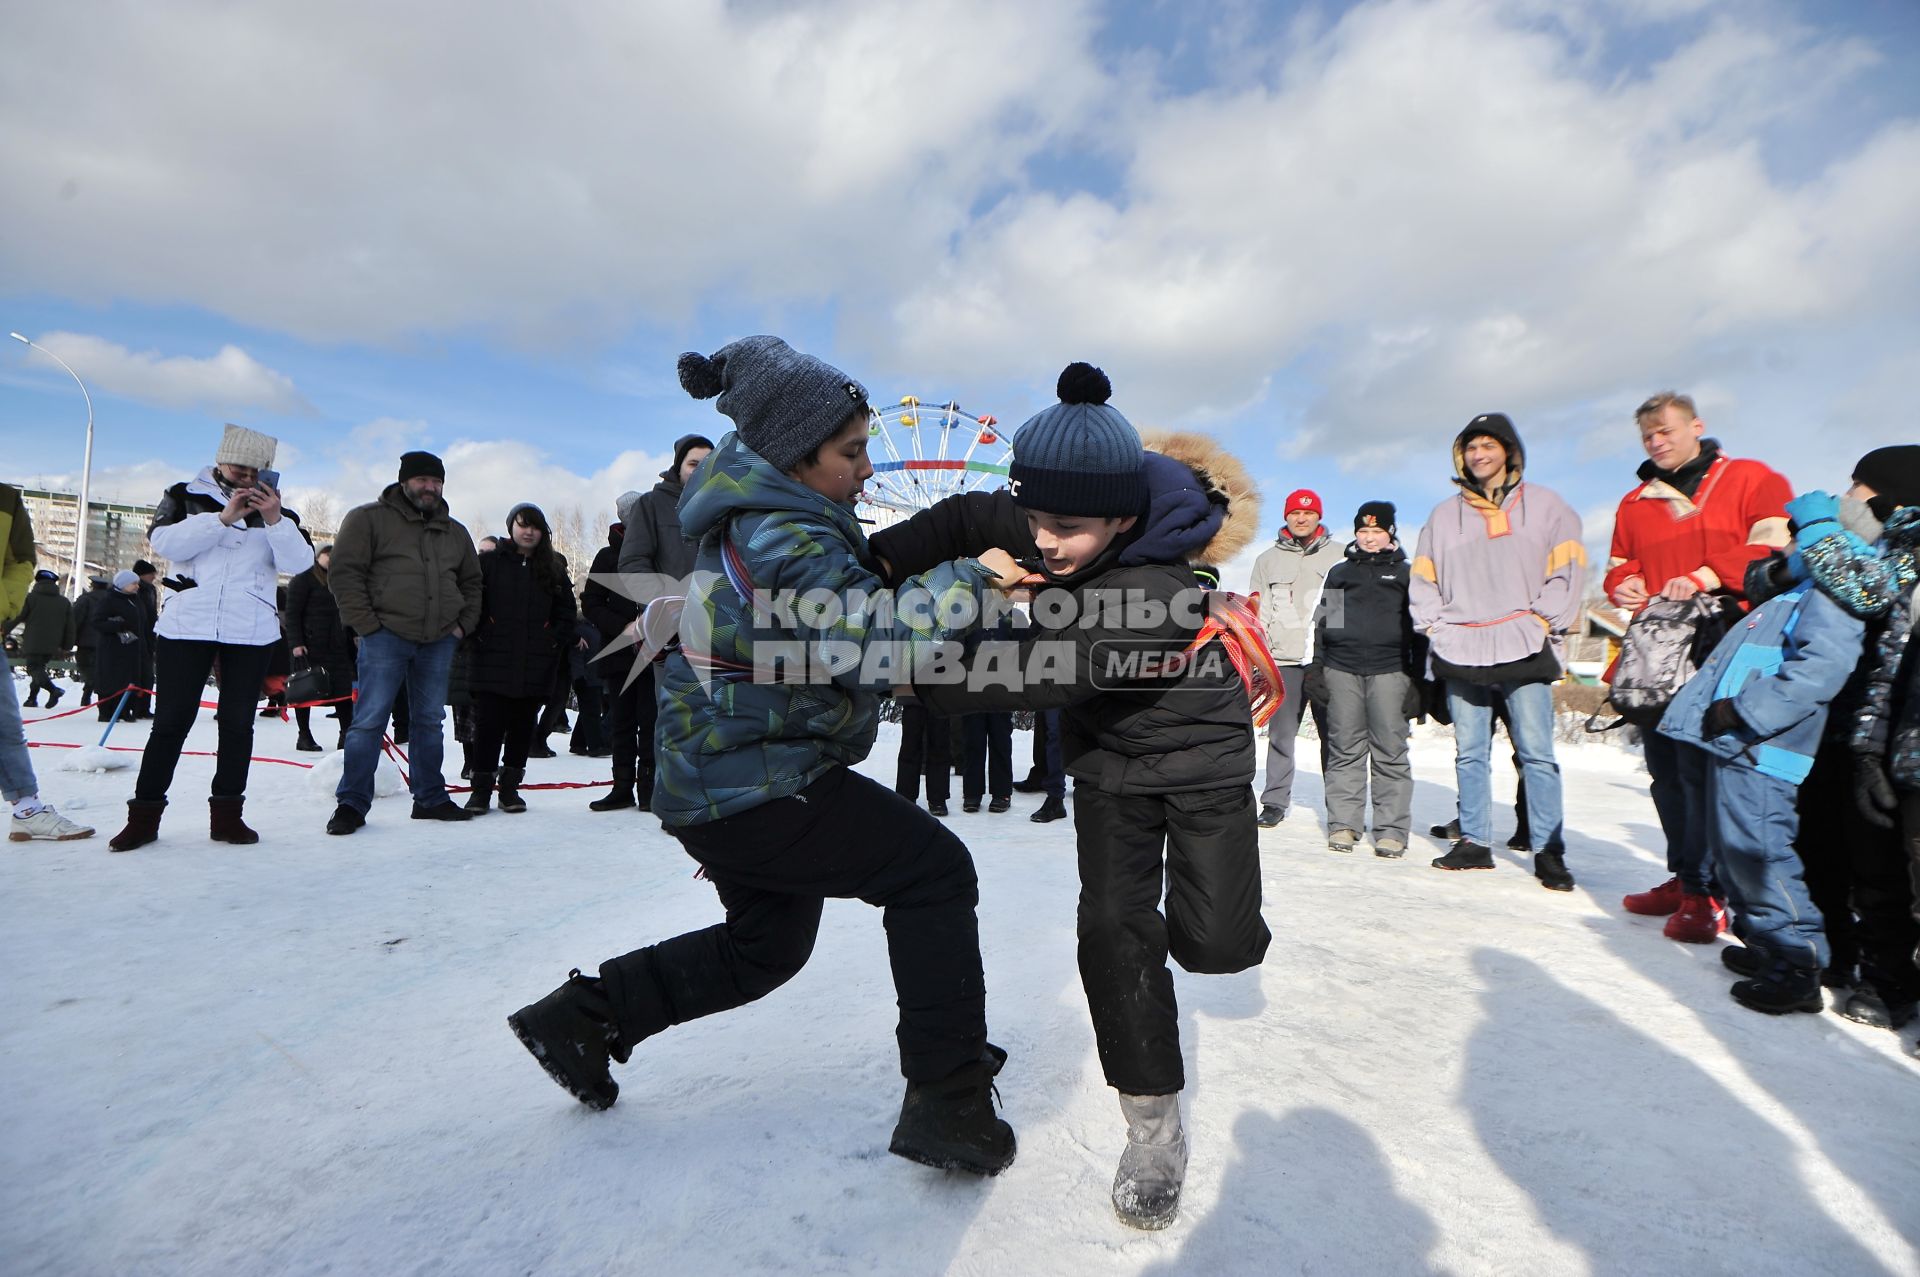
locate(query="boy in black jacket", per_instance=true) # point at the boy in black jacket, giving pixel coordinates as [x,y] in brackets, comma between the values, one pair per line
[1162,758]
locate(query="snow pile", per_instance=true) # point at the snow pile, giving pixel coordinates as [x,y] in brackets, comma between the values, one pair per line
[96,758]
[324,779]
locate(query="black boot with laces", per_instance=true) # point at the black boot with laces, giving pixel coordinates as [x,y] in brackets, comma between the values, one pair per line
[571,1032]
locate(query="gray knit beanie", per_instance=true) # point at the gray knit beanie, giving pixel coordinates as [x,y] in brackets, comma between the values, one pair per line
[626,504]
[783,403]
[1080,456]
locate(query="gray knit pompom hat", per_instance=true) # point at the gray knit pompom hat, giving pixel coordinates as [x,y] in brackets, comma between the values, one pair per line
[783,403]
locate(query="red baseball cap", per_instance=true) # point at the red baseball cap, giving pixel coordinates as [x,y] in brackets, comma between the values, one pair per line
[1303,499]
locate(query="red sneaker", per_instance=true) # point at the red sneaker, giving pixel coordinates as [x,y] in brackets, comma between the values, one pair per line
[1699,920]
[1659,902]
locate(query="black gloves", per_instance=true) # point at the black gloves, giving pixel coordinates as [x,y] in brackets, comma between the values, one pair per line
[1721,718]
[1873,790]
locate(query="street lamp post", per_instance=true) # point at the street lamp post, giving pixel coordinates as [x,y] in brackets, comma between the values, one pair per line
[78,583]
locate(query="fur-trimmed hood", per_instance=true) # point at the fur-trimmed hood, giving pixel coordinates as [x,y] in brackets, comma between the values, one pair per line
[1202,505]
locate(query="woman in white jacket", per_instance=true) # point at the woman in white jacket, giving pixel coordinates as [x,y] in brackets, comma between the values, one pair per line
[230,541]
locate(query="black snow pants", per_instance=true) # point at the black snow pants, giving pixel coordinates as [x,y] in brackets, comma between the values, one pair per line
[1204,847]
[1857,874]
[774,865]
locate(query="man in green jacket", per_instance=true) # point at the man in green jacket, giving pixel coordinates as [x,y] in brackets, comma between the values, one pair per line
[408,584]
[31,818]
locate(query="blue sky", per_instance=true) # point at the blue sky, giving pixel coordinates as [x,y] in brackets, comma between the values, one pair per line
[1328,234]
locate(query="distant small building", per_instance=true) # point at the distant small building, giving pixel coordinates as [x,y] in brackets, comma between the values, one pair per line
[116,533]
[1592,647]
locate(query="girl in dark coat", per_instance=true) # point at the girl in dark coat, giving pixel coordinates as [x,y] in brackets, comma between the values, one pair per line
[118,623]
[316,635]
[527,619]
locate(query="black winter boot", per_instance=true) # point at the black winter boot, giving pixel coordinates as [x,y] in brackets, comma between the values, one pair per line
[1052,809]
[951,1124]
[619,797]
[481,798]
[143,824]
[1448,831]
[1778,988]
[1550,867]
[510,778]
[571,1032]
[307,744]
[1465,854]
[226,823]
[643,788]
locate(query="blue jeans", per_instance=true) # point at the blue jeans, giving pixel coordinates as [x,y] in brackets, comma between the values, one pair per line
[16,769]
[1677,776]
[387,661]
[1751,821]
[1530,719]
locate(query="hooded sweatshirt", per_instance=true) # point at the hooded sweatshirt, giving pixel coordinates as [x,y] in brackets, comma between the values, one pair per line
[1497,573]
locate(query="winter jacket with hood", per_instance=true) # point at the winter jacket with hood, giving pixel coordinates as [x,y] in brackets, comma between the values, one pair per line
[1289,576]
[16,553]
[1782,665]
[1497,573]
[524,627]
[654,541]
[235,570]
[727,741]
[395,568]
[46,622]
[1126,735]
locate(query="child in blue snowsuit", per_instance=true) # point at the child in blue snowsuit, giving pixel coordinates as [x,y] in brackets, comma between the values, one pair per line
[1759,708]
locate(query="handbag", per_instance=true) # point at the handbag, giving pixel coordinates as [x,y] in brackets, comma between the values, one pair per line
[308,682]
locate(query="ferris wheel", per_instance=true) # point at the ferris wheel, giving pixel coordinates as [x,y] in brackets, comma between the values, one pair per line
[924,453]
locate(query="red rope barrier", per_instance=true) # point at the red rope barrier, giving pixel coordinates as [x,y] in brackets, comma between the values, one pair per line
[393,751]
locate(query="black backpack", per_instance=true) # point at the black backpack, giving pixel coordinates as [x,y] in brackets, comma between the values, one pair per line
[1666,644]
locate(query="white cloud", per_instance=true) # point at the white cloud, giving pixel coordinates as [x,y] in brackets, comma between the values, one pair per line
[230,381]
[361,171]
[1520,236]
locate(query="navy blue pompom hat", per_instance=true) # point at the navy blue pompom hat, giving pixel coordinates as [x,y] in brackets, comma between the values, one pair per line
[1080,456]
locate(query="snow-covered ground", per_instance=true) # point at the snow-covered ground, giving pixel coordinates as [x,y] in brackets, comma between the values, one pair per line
[291,1058]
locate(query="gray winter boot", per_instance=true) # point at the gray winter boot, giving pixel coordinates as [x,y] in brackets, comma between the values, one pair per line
[1146,1188]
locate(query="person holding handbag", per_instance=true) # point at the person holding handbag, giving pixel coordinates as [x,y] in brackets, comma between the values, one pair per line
[320,645]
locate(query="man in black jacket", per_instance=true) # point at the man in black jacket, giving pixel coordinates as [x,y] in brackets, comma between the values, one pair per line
[650,553]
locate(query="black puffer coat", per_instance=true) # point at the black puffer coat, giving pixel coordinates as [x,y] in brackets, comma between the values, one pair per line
[313,622]
[118,623]
[1125,735]
[607,611]
[524,628]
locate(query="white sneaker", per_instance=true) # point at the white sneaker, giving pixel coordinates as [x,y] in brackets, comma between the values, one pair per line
[47,825]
